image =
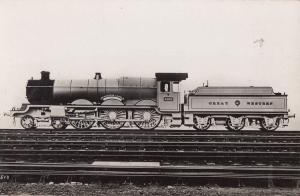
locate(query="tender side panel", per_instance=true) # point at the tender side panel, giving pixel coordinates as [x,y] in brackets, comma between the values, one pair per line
[237,104]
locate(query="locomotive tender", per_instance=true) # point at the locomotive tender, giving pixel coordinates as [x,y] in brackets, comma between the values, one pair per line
[145,102]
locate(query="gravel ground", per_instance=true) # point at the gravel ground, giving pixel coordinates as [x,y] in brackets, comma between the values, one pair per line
[129,189]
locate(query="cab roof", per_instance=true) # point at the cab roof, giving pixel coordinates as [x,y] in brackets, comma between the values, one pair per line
[171,76]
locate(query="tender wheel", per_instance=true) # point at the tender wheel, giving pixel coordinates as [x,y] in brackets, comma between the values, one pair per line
[58,124]
[201,123]
[82,124]
[27,122]
[235,123]
[113,119]
[147,119]
[269,124]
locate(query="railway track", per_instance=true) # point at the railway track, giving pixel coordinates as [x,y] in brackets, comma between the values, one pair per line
[150,145]
[156,131]
[36,136]
[194,157]
[10,171]
[193,147]
[181,153]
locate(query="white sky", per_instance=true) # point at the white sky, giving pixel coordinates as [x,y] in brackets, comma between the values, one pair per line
[211,40]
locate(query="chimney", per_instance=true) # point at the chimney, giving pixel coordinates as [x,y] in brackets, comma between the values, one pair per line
[45,75]
[97,76]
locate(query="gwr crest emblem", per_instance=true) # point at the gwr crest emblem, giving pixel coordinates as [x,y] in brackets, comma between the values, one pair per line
[237,102]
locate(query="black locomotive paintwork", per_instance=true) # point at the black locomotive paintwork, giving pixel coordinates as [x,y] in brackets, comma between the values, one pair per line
[40,91]
[171,76]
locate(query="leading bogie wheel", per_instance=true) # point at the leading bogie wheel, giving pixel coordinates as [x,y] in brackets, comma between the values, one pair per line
[27,122]
[147,119]
[58,123]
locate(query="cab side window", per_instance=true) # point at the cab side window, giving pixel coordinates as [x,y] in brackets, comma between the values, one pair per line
[165,86]
[176,87]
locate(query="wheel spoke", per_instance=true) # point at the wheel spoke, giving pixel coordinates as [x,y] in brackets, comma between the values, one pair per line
[82,123]
[27,122]
[202,123]
[269,124]
[58,123]
[111,119]
[148,119]
[235,123]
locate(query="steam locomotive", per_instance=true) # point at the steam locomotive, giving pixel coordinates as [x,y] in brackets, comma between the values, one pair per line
[147,103]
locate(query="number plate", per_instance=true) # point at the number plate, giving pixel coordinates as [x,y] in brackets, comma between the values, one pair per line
[168,98]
